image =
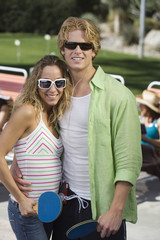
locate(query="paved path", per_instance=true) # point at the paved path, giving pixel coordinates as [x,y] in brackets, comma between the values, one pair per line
[5,228]
[148,198]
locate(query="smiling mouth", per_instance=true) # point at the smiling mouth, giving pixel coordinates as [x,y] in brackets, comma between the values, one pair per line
[52,96]
[77,58]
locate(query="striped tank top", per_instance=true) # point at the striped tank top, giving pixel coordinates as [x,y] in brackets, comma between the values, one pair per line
[38,157]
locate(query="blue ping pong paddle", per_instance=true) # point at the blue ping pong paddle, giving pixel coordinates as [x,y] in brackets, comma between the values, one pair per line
[81,229]
[49,207]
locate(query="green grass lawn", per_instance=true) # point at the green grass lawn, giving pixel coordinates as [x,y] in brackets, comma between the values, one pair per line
[32,48]
[138,73]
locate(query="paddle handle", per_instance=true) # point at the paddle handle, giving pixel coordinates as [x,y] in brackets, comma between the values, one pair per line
[35,208]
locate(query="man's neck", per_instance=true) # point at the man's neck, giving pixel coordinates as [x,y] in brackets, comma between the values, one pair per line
[82,75]
[80,82]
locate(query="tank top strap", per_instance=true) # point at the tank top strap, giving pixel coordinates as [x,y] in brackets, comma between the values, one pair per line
[41,120]
[155,121]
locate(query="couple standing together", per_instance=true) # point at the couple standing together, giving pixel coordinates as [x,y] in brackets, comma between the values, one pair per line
[101,137]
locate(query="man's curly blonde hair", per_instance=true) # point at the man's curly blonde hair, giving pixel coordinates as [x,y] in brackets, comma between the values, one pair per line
[73,23]
[30,94]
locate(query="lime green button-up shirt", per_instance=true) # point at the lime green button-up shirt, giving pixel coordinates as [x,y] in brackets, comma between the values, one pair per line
[114,143]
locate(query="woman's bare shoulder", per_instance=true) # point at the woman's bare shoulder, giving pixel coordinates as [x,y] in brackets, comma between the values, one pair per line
[25,112]
[158,122]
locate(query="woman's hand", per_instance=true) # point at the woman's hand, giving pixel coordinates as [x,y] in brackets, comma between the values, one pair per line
[155,142]
[26,207]
[144,138]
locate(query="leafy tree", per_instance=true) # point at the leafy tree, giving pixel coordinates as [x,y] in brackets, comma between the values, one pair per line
[40,16]
[46,16]
[95,7]
[43,16]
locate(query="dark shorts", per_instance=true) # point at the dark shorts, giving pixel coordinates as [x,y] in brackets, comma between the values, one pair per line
[70,216]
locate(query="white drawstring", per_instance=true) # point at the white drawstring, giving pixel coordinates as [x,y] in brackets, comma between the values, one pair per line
[81,201]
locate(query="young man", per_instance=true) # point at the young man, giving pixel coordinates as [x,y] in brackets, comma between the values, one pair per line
[102,140]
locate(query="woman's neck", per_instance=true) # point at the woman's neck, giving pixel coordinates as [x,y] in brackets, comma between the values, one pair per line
[148,119]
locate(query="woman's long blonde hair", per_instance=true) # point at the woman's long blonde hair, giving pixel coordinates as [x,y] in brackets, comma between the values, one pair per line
[30,94]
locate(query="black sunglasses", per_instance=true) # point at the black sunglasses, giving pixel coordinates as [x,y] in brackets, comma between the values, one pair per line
[47,83]
[83,45]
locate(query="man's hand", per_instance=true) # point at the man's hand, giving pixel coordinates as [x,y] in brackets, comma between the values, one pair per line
[17,176]
[109,223]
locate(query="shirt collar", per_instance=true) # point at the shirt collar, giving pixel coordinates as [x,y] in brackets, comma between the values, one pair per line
[98,78]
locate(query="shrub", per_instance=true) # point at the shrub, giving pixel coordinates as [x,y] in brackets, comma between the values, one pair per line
[129,34]
[150,24]
[91,17]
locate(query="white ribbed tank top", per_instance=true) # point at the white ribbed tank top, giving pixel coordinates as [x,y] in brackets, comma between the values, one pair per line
[74,133]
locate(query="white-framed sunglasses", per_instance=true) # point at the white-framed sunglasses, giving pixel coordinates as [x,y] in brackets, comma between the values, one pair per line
[47,83]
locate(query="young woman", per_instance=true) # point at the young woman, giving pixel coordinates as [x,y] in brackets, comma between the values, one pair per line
[4,112]
[150,118]
[31,130]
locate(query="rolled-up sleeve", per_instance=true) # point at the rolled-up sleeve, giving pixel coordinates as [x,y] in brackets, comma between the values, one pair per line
[127,140]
